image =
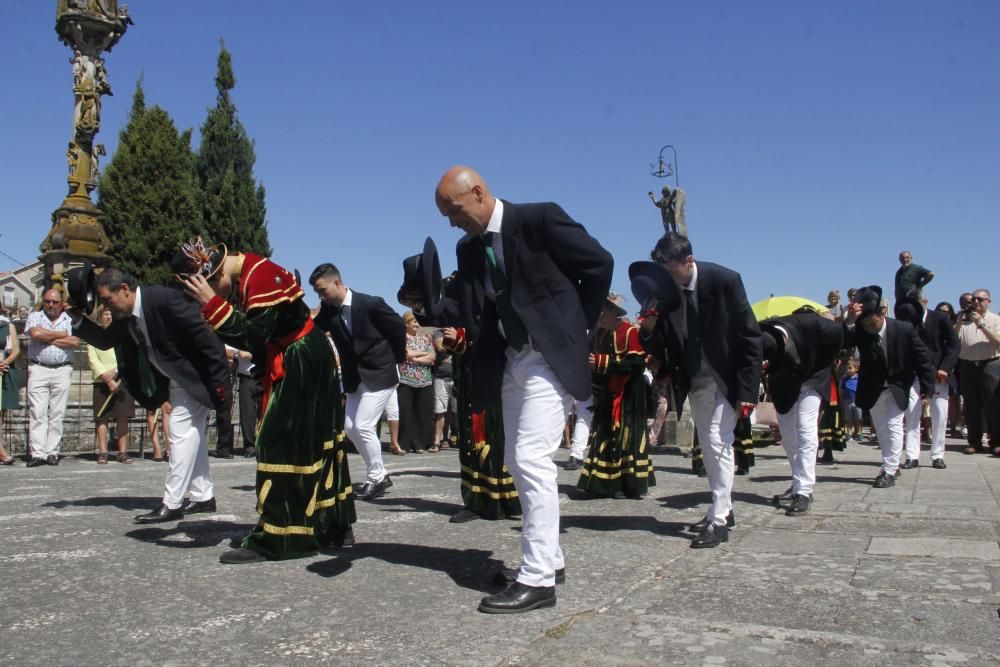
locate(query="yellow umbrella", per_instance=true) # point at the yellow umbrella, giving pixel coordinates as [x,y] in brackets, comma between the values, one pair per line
[778,306]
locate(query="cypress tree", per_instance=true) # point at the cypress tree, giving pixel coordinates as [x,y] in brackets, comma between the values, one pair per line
[232,202]
[149,192]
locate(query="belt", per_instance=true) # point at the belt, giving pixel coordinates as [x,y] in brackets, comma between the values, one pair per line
[982,362]
[34,362]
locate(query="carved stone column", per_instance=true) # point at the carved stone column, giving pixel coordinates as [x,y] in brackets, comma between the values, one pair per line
[88,28]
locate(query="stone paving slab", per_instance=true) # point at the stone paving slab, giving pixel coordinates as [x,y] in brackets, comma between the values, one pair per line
[85,585]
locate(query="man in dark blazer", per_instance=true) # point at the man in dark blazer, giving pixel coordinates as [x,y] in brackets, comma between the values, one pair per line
[896,371]
[799,351]
[371,340]
[535,281]
[165,352]
[938,334]
[711,347]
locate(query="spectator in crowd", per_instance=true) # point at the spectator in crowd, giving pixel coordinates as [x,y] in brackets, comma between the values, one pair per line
[892,357]
[660,390]
[954,393]
[579,432]
[111,399]
[225,433]
[159,454]
[371,341]
[249,397]
[979,368]
[10,349]
[938,334]
[849,393]
[416,390]
[50,369]
[910,277]
[391,419]
[834,306]
[852,294]
[444,383]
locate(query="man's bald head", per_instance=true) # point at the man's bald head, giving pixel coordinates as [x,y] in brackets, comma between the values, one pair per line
[52,303]
[463,197]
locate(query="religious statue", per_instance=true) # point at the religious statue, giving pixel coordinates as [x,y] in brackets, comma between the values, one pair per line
[73,158]
[672,210]
[95,165]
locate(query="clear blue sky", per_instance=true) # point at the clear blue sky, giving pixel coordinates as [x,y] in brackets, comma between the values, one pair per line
[816,140]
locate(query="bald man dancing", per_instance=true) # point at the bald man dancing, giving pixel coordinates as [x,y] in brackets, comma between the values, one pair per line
[537,280]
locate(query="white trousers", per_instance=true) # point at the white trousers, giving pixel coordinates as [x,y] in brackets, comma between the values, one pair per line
[581,428]
[362,412]
[887,418]
[48,392]
[939,420]
[535,406]
[392,406]
[800,438]
[715,419]
[188,450]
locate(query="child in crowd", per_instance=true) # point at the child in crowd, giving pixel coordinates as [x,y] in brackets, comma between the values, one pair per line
[849,390]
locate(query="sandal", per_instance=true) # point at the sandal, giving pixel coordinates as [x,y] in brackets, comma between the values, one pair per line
[398,451]
[9,461]
[102,458]
[123,458]
[434,450]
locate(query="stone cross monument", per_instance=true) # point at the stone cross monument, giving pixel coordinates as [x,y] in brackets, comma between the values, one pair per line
[88,28]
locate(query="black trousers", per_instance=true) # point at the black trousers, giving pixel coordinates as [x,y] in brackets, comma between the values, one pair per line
[981,392]
[224,422]
[416,416]
[250,393]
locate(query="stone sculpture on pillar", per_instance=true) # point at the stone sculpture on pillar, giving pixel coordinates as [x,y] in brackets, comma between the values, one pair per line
[89,28]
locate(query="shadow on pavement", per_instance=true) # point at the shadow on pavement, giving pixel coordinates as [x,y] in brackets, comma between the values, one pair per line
[469,568]
[821,478]
[419,504]
[121,502]
[606,523]
[193,534]
[686,500]
[427,473]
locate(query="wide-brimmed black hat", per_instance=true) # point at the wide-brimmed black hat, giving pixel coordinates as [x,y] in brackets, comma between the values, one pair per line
[652,281]
[870,299]
[909,310]
[80,287]
[422,274]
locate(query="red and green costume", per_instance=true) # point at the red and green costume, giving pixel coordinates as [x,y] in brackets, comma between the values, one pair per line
[303,484]
[617,453]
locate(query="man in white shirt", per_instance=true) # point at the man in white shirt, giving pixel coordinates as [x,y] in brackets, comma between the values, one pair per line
[50,367]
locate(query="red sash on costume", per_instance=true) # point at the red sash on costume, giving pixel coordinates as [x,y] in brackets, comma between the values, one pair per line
[274,360]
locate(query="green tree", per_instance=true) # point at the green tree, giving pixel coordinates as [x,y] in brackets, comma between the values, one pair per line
[149,192]
[232,201]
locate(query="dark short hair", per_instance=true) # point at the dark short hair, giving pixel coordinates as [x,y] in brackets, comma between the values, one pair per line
[327,270]
[113,278]
[672,247]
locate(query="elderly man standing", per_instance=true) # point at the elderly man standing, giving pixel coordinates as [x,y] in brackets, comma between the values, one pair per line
[910,277]
[979,371]
[537,280]
[50,366]
[713,347]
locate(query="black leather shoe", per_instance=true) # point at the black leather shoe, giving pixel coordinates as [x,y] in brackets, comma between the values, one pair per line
[573,464]
[939,464]
[700,526]
[710,536]
[222,453]
[373,490]
[884,481]
[194,507]
[910,463]
[508,575]
[463,516]
[161,514]
[241,556]
[34,462]
[337,539]
[250,452]
[52,460]
[742,470]
[519,598]
[800,505]
[785,497]
[826,460]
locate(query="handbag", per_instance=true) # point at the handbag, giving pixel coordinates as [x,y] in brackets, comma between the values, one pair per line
[765,414]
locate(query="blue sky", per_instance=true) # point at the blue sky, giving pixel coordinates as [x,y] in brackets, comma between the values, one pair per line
[816,140]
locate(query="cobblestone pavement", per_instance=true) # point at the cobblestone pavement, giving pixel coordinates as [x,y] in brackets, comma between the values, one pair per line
[901,576]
